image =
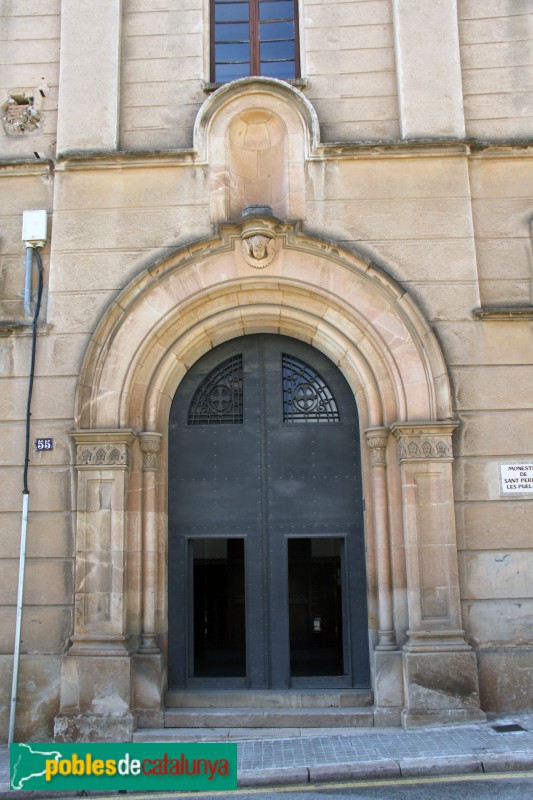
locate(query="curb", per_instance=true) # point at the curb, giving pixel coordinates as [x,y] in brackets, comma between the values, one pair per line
[445,765]
[361,770]
[507,762]
[389,768]
[273,777]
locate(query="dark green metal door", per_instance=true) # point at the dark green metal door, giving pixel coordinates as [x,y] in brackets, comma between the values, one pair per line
[266,551]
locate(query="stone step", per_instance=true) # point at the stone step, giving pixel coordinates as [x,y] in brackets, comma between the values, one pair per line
[269,717]
[285,699]
[229,734]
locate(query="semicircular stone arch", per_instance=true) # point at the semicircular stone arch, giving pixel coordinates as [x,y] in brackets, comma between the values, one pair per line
[176,311]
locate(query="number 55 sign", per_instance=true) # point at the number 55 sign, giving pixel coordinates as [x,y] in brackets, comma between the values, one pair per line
[44,444]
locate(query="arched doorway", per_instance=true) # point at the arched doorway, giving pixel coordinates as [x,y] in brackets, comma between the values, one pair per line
[267,584]
[149,340]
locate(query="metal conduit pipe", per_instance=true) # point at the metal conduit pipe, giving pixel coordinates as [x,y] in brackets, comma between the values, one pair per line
[27,281]
[25,492]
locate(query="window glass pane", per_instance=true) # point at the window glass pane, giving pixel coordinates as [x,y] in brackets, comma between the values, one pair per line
[232,32]
[271,51]
[284,9]
[230,72]
[232,52]
[232,12]
[285,70]
[276,30]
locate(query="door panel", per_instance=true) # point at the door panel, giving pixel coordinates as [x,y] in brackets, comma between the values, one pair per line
[264,447]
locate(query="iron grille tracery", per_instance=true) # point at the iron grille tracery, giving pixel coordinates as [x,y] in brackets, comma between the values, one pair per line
[306,396]
[218,399]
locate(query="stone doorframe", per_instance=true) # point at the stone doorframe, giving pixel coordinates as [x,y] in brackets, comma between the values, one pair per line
[169,316]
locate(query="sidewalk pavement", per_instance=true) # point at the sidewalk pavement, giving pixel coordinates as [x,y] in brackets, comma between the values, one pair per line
[299,756]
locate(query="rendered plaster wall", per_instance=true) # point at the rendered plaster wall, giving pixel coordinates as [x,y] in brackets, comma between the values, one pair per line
[164,60]
[492,375]
[347,56]
[29,42]
[502,188]
[496,39]
[27,187]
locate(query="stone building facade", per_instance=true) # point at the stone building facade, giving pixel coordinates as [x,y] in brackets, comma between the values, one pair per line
[373,213]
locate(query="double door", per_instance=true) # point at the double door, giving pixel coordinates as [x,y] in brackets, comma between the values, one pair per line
[266,551]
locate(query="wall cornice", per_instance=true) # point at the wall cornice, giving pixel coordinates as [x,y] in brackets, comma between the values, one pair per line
[325,151]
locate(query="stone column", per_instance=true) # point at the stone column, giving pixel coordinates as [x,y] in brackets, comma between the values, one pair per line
[148,668]
[388,683]
[376,439]
[440,672]
[426,37]
[96,679]
[150,444]
[89,75]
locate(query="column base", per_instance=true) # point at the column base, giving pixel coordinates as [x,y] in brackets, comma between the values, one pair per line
[450,716]
[387,641]
[98,645]
[148,688]
[387,717]
[95,699]
[388,688]
[148,646]
[441,688]
[93,728]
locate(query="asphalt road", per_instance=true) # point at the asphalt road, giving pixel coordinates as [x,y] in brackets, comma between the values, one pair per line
[508,786]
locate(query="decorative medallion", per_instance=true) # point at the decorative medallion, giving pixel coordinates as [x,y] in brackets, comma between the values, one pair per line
[258,250]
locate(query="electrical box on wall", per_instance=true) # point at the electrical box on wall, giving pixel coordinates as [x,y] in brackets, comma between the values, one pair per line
[34,228]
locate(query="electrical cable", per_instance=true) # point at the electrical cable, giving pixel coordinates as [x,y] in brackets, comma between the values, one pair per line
[32,369]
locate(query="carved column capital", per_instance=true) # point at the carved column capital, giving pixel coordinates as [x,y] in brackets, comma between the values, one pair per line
[103,449]
[427,441]
[376,439]
[150,445]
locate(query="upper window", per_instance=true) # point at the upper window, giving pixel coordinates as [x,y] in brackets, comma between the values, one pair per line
[254,37]
[306,395]
[218,399]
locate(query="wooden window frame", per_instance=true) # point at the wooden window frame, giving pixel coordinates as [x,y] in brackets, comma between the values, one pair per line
[255,62]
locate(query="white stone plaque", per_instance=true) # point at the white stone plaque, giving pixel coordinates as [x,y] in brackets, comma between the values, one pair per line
[516,479]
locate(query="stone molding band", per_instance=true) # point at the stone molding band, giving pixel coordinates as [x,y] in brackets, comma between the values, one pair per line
[103,449]
[425,440]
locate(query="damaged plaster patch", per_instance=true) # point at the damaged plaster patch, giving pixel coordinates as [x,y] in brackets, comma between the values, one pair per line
[109,702]
[22,112]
